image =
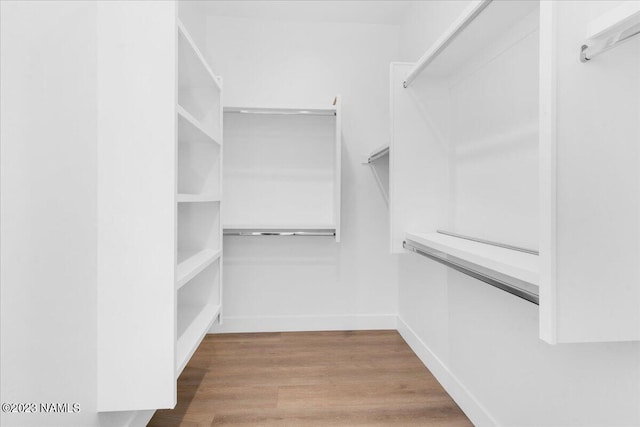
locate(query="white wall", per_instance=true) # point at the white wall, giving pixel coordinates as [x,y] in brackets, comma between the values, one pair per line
[193,14]
[313,283]
[48,253]
[48,232]
[483,343]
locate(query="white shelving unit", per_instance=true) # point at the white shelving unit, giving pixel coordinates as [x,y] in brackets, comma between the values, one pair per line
[199,232]
[282,169]
[465,147]
[159,229]
[484,145]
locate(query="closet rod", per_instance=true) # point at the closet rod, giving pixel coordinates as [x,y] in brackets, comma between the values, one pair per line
[275,232]
[378,154]
[489,242]
[461,23]
[507,284]
[587,53]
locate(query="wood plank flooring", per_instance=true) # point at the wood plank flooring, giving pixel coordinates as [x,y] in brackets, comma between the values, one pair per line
[352,378]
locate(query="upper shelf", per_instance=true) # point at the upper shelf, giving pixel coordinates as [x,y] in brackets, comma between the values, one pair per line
[477,27]
[192,62]
[511,268]
[612,28]
[287,111]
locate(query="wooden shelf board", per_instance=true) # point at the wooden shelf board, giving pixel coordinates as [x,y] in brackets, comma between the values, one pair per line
[193,324]
[196,198]
[190,129]
[190,263]
[279,227]
[512,263]
[293,111]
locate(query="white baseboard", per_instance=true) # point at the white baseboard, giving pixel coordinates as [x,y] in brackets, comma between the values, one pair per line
[305,323]
[472,408]
[142,418]
[126,418]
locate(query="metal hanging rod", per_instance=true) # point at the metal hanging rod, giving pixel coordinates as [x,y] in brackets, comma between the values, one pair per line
[280,232]
[489,242]
[381,152]
[461,23]
[508,284]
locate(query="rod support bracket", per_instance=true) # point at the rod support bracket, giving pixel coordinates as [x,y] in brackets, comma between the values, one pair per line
[583,53]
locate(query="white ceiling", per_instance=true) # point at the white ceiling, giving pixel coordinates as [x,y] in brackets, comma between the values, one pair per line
[358,11]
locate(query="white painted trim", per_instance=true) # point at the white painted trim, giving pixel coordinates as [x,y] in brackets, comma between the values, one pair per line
[547,168]
[469,404]
[306,323]
[141,418]
[126,418]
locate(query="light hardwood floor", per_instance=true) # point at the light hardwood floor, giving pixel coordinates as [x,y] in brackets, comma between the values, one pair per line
[360,378]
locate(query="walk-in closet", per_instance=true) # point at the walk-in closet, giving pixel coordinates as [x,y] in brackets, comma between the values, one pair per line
[320,213]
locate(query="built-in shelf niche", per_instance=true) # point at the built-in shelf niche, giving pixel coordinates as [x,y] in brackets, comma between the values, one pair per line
[199,163]
[198,226]
[282,168]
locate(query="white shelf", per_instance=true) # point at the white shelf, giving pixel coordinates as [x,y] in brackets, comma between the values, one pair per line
[196,198]
[612,28]
[287,111]
[279,227]
[485,29]
[190,263]
[193,324]
[519,265]
[198,79]
[621,18]
[191,130]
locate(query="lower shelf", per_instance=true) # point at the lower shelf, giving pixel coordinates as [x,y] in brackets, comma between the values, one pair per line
[513,271]
[190,263]
[193,323]
[197,198]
